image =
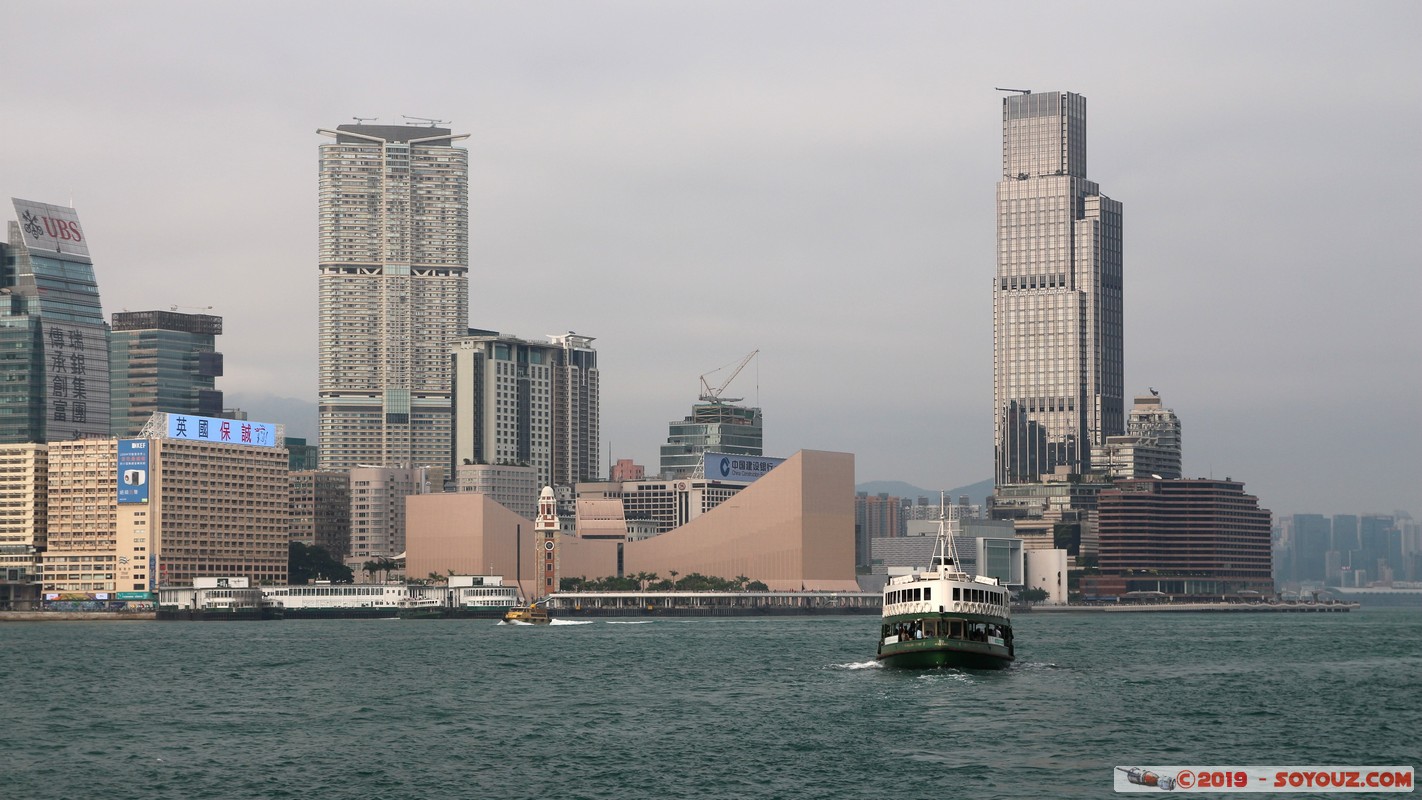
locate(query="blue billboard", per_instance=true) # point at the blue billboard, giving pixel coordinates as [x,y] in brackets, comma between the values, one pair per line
[221,431]
[724,466]
[133,471]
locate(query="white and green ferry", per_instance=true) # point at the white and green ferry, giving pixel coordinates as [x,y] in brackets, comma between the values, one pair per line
[943,617]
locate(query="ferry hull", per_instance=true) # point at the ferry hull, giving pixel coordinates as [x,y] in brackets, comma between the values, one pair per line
[934,654]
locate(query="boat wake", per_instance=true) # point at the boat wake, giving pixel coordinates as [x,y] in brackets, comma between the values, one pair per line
[630,622]
[860,665]
[571,622]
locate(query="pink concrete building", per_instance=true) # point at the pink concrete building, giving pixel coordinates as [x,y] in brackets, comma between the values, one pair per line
[793,529]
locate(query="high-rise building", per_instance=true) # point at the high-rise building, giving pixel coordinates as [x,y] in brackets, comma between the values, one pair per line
[394,292]
[54,379]
[163,361]
[378,509]
[1058,383]
[194,497]
[1149,448]
[714,426]
[24,495]
[576,410]
[526,403]
[321,510]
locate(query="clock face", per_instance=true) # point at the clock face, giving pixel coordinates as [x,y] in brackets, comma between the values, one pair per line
[548,545]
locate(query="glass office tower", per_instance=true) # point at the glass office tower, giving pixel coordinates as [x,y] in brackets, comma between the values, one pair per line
[1057,330]
[54,371]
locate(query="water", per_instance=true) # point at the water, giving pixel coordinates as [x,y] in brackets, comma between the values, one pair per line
[705,708]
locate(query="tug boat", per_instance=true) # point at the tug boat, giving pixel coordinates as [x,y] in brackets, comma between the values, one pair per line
[943,617]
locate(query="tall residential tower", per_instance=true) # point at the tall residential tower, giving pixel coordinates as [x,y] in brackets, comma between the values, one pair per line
[1058,381]
[394,292]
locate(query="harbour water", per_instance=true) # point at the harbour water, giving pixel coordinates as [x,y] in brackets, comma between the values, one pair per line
[705,708]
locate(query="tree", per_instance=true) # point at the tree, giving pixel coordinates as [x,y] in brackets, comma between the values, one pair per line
[757,586]
[1034,594]
[382,564]
[305,564]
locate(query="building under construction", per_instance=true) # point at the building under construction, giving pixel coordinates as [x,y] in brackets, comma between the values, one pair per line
[717,424]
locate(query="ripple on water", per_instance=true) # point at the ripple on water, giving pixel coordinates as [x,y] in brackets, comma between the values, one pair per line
[711,708]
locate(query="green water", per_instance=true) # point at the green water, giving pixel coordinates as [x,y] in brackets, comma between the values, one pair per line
[705,708]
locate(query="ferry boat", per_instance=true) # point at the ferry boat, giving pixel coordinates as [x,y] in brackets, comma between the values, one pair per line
[535,614]
[943,617]
[422,608]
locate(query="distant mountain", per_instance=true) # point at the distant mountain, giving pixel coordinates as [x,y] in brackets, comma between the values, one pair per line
[299,416]
[976,492]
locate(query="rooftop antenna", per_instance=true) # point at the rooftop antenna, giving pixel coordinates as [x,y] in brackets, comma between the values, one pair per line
[363,120]
[1020,91]
[430,121]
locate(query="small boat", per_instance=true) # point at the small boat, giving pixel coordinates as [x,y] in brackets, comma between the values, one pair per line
[535,614]
[421,608]
[943,617]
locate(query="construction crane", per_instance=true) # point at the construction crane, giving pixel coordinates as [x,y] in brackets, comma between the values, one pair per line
[710,395]
[430,121]
[1019,91]
[198,309]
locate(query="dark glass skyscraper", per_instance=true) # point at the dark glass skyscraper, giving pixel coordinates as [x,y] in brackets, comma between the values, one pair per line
[1058,385]
[54,354]
[163,361]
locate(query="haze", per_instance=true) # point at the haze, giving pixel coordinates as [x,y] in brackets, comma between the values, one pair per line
[690,181]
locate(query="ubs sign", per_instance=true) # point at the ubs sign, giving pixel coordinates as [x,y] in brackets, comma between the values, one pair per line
[51,229]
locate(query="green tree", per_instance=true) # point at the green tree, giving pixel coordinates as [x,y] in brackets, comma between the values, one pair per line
[1034,594]
[757,586]
[306,564]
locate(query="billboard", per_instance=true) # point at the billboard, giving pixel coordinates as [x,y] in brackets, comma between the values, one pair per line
[222,431]
[51,229]
[133,471]
[724,466]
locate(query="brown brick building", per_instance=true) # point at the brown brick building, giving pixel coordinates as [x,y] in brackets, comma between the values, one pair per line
[1199,538]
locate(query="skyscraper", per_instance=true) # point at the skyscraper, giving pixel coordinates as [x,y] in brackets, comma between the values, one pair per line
[163,361]
[1058,385]
[713,426]
[54,379]
[394,292]
[524,403]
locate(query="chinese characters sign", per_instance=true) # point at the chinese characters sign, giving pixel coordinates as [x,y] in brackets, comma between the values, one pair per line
[221,431]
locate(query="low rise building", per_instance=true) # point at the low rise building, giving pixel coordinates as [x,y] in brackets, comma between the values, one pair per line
[1197,538]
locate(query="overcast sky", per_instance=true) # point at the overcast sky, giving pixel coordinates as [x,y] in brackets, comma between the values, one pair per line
[688,182]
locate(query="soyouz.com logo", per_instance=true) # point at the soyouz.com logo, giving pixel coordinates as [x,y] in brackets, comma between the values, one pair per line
[1263,779]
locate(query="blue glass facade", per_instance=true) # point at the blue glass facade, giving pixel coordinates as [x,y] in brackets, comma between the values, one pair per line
[54,355]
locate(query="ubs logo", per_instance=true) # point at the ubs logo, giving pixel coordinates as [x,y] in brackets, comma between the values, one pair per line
[61,229]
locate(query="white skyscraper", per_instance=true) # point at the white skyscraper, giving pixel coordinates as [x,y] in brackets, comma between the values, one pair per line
[1057,341]
[394,292]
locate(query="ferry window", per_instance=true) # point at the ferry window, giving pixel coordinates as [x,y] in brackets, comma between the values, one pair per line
[916,593]
[955,630]
[928,593]
[957,593]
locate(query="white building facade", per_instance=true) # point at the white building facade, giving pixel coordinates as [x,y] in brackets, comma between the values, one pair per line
[394,292]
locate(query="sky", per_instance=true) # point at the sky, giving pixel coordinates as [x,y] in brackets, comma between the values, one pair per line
[688,182]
